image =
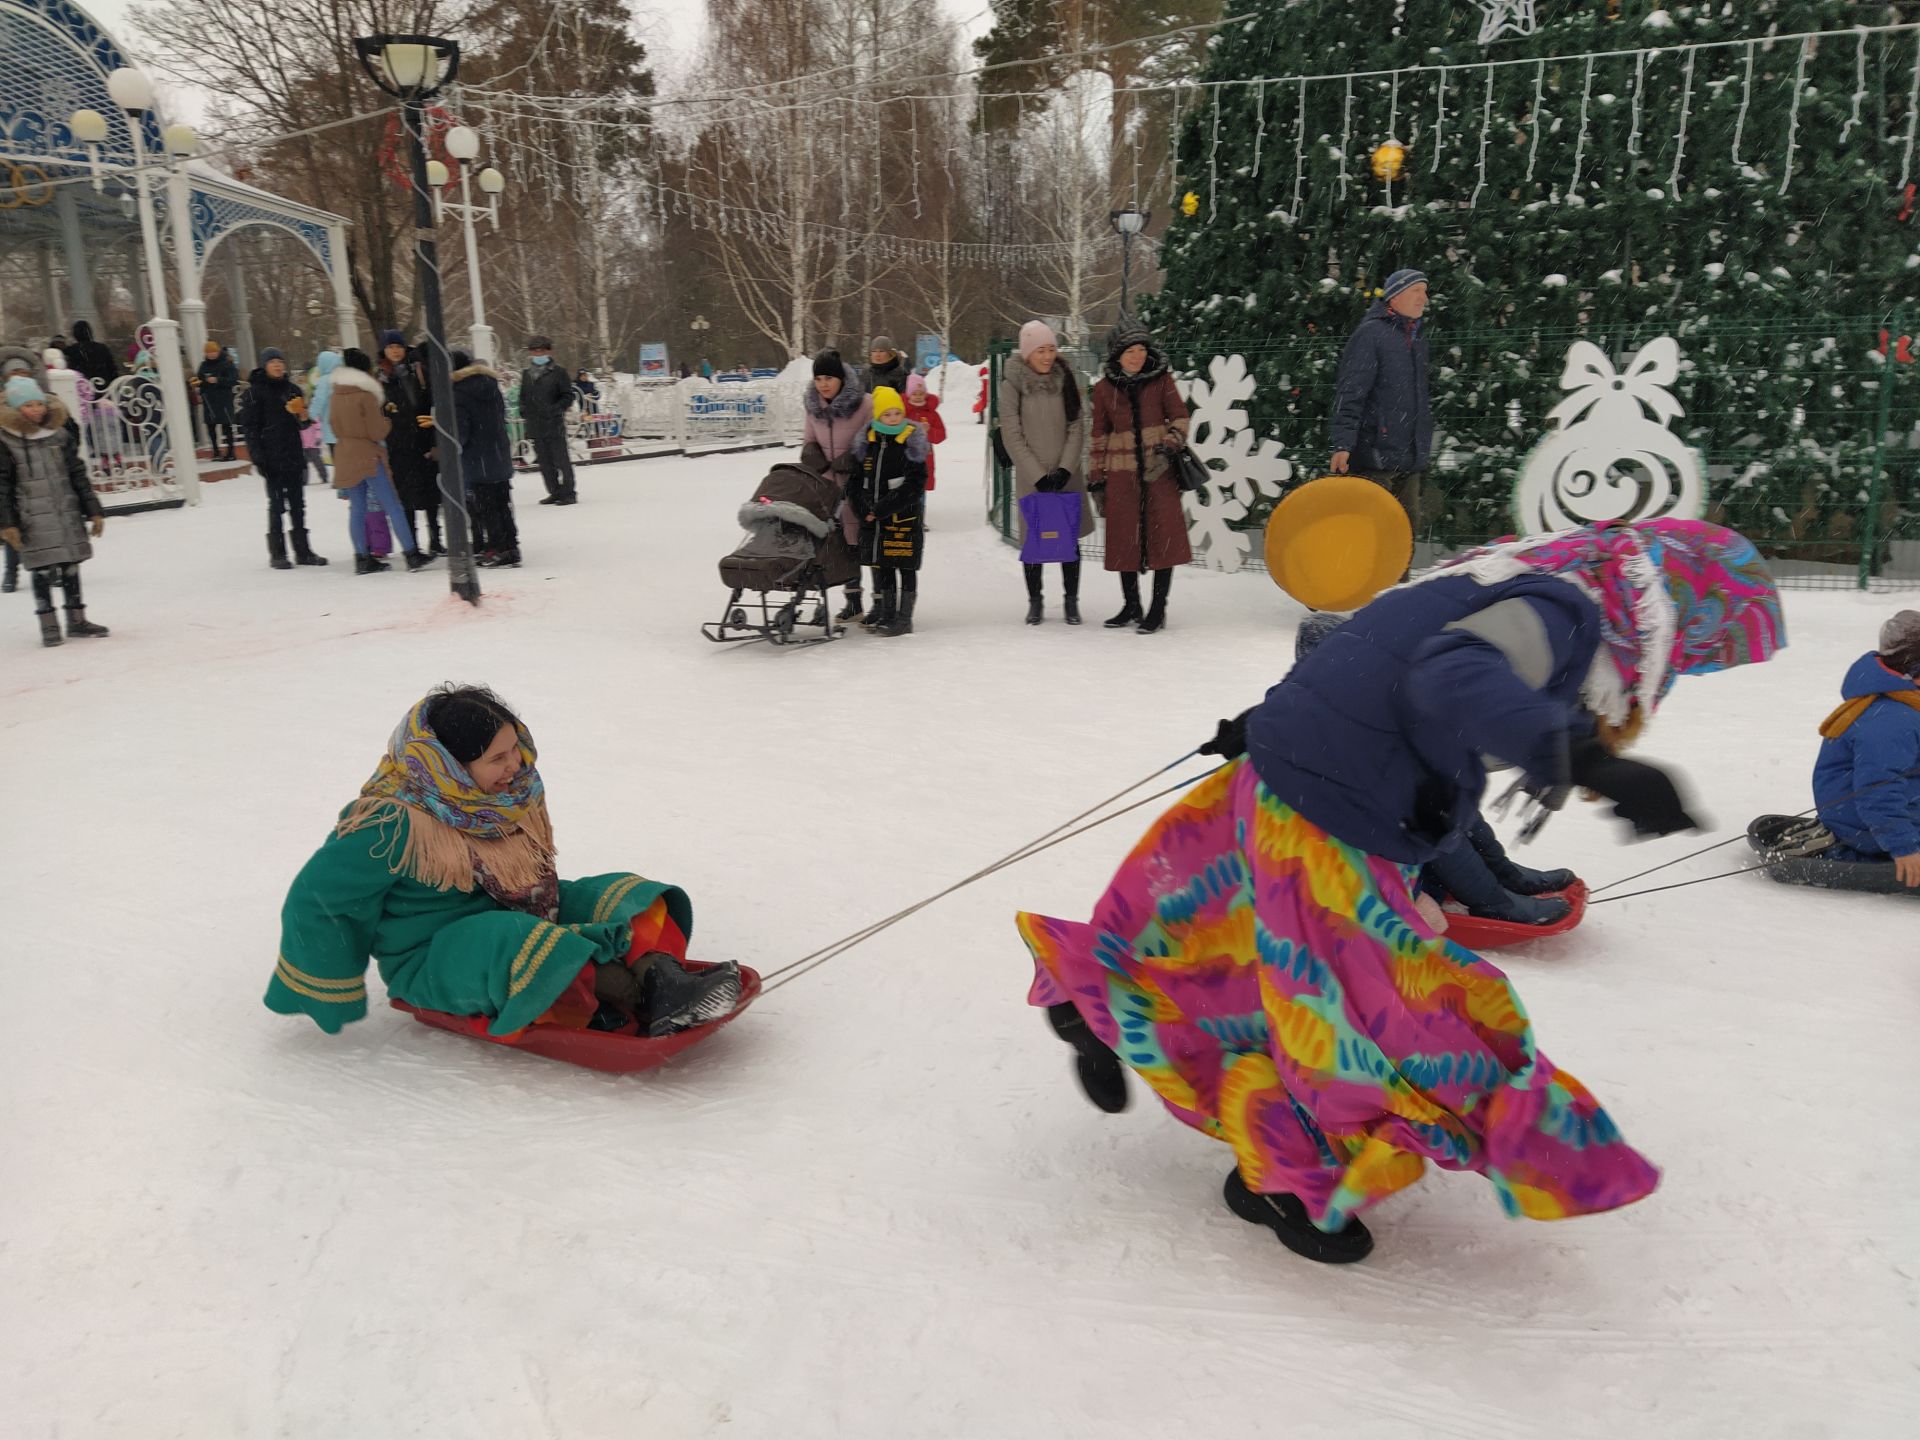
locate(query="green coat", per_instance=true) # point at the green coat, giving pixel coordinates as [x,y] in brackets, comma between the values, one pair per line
[459,952]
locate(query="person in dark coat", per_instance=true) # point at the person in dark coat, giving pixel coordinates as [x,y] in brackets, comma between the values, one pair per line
[1867,779]
[546,394]
[47,504]
[216,380]
[1139,424]
[90,357]
[1382,409]
[272,414]
[402,373]
[885,366]
[486,459]
[888,492]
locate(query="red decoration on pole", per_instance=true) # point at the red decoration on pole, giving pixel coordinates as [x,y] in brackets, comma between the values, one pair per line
[1906,210]
[393,158]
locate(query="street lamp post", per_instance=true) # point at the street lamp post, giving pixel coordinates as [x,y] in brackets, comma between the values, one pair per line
[1127,223]
[413,69]
[463,144]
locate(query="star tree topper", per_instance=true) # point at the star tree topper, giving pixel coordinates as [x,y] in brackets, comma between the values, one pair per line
[1500,18]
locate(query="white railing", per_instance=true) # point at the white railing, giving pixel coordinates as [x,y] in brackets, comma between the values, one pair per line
[123,437]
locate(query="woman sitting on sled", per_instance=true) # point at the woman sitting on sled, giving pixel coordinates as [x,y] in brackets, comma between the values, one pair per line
[1260,959]
[442,870]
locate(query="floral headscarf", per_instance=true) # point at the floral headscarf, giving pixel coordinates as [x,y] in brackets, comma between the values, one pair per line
[1676,597]
[459,835]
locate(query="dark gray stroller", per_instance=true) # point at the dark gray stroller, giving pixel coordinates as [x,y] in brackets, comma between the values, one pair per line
[792,554]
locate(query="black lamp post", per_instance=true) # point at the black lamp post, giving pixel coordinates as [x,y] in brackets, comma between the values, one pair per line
[1127,223]
[413,69]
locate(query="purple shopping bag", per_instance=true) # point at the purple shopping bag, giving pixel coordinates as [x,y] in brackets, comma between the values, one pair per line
[379,535]
[1053,527]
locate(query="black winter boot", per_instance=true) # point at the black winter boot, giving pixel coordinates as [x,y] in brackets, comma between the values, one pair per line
[852,610]
[1157,612]
[11,581]
[675,997]
[418,560]
[369,565]
[1129,612]
[303,552]
[1036,605]
[1102,1077]
[50,629]
[881,611]
[81,628]
[1287,1218]
[434,547]
[277,551]
[900,622]
[1524,880]
[1070,580]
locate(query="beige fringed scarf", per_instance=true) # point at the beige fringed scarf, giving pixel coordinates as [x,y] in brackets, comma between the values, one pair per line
[436,854]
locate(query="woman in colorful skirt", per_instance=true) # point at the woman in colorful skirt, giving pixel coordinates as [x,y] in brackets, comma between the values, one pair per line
[1260,959]
[442,870]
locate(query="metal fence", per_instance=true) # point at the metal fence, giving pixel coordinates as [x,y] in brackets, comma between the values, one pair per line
[1809,433]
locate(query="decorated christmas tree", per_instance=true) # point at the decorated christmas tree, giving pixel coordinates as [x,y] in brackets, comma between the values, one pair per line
[1735,175]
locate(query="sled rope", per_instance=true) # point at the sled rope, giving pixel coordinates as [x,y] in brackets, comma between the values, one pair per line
[1059,835]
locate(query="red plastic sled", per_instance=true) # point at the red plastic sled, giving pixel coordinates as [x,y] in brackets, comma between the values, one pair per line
[594,1049]
[1478,934]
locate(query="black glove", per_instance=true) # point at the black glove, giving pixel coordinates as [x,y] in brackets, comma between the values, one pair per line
[1229,741]
[1053,481]
[1643,794]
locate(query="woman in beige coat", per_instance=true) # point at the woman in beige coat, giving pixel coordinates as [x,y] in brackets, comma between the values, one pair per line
[1043,425]
[357,413]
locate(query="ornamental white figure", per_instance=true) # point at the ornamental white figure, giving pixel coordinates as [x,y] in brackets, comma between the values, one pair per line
[1612,456]
[1243,468]
[1500,18]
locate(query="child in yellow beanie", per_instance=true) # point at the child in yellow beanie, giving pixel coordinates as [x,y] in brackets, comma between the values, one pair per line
[887,491]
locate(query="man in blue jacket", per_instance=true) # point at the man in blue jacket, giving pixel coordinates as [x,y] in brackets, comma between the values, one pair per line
[1382,412]
[1867,779]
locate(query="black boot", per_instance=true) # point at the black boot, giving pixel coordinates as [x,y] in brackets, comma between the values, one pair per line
[50,629]
[277,551]
[81,628]
[434,547]
[11,581]
[1157,612]
[881,612]
[303,552]
[369,565]
[1102,1077]
[1129,612]
[900,622]
[1036,605]
[418,560]
[1287,1218]
[852,610]
[674,997]
[1070,579]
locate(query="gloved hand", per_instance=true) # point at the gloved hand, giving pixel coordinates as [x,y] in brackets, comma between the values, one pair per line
[1229,741]
[1643,794]
[99,526]
[1171,446]
[12,536]
[1053,481]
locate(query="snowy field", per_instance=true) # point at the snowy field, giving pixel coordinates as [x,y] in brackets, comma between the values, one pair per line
[877,1206]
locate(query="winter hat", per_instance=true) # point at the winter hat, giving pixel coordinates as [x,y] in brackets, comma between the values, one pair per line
[1034,334]
[391,337]
[828,362]
[22,390]
[1402,280]
[270,354]
[354,358]
[880,343]
[1899,637]
[461,359]
[916,387]
[539,342]
[1126,335]
[887,398]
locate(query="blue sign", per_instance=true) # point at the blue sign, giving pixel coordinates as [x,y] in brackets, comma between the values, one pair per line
[653,362]
[931,350]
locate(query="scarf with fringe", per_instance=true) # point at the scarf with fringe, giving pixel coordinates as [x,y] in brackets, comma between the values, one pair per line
[1676,597]
[459,836]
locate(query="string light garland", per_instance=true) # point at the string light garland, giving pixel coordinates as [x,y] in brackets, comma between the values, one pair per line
[1793,114]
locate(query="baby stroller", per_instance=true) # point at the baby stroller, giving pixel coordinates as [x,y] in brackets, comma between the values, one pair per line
[781,572]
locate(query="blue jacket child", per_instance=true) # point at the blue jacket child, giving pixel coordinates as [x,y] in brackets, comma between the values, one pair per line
[1867,779]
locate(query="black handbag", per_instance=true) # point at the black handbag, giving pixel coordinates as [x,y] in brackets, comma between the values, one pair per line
[1189,472]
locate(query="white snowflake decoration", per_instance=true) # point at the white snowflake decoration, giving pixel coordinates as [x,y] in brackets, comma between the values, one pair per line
[1244,468]
[1500,18]
[1612,456]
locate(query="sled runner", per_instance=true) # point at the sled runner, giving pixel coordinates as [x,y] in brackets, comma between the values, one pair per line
[1478,934]
[1773,837]
[595,1049]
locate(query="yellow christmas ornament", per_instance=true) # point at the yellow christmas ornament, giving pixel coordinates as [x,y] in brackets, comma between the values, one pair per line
[1190,204]
[1389,160]
[1336,542]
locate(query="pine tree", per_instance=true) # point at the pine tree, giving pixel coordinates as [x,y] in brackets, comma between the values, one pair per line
[1772,259]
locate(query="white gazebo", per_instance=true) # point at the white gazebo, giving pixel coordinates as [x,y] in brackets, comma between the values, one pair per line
[111,196]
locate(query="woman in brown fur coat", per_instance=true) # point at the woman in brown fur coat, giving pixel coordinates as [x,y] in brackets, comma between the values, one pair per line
[1139,421]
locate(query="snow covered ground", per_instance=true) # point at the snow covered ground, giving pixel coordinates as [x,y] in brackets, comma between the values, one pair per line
[876,1206]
